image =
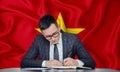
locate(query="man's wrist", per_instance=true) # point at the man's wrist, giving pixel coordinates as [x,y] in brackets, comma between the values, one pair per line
[80,63]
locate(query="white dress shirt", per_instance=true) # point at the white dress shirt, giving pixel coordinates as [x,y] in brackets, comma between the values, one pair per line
[60,50]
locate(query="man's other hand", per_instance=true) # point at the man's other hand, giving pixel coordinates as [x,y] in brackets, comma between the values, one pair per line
[70,62]
[51,63]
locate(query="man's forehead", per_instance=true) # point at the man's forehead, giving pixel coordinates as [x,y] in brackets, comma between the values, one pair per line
[52,29]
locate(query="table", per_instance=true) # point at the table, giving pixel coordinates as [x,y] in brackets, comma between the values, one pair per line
[56,70]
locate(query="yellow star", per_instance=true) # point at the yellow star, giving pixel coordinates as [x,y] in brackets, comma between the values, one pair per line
[70,30]
[62,26]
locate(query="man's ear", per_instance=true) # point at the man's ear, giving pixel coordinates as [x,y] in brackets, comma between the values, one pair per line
[42,32]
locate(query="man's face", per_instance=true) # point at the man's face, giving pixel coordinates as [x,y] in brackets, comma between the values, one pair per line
[52,34]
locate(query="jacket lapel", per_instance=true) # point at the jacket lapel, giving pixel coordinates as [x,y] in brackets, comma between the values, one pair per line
[47,48]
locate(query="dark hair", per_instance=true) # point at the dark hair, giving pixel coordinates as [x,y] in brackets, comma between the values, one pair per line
[46,21]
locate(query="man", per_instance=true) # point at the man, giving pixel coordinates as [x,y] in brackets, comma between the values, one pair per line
[56,48]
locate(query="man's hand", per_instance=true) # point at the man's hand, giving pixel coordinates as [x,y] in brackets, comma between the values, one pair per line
[53,63]
[70,62]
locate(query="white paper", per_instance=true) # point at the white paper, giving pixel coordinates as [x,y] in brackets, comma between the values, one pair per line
[69,67]
[64,67]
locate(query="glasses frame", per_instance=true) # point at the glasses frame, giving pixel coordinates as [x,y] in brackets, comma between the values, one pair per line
[54,35]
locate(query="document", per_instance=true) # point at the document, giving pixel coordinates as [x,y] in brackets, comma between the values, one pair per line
[63,67]
[57,67]
[69,67]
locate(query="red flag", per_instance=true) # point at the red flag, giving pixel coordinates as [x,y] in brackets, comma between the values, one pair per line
[100,18]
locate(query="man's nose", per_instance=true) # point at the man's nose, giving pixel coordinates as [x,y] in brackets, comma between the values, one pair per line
[52,38]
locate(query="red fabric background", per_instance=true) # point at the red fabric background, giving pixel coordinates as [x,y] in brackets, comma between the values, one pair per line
[100,18]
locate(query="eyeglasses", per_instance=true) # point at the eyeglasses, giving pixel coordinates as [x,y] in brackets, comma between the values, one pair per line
[54,35]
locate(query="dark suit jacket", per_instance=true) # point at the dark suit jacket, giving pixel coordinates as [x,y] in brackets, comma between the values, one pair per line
[40,47]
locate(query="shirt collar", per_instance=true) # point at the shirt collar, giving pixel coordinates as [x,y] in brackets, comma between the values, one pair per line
[60,39]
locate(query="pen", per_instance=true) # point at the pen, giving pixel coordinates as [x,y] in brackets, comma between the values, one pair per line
[68,56]
[70,53]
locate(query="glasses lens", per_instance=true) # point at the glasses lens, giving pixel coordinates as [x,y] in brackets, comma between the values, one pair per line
[54,35]
[48,37]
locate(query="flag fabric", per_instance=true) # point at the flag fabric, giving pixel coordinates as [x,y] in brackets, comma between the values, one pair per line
[99,18]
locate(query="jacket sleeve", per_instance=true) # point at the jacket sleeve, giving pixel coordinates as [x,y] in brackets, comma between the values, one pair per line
[29,59]
[82,54]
